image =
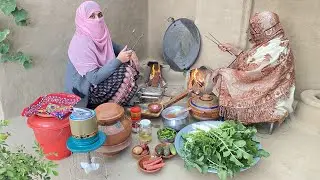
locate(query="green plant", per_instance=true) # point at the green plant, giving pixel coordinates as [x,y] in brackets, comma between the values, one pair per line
[9,7]
[19,165]
[227,149]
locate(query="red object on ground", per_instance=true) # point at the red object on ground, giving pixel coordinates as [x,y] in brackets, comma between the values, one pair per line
[52,135]
[135,113]
[135,118]
[52,105]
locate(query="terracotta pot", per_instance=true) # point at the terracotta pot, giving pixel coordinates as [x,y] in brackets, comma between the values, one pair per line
[205,107]
[113,123]
[113,150]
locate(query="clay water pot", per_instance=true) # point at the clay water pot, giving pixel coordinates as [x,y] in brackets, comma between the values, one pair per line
[205,107]
[113,122]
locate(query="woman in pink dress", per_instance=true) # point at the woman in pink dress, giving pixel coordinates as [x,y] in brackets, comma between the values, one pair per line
[99,70]
[259,85]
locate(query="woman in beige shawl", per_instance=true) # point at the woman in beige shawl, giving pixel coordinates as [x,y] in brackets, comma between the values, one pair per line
[259,85]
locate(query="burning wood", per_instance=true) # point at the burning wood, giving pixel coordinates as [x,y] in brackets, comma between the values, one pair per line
[155,77]
[196,81]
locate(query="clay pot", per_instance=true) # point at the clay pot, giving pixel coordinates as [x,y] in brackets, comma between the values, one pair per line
[113,123]
[205,107]
[154,107]
[110,151]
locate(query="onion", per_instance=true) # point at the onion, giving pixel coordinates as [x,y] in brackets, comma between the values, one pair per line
[137,150]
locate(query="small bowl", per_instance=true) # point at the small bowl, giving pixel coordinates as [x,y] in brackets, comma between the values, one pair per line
[140,165]
[154,107]
[140,155]
[165,140]
[164,157]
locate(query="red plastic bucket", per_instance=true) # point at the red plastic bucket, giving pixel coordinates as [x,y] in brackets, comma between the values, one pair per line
[52,135]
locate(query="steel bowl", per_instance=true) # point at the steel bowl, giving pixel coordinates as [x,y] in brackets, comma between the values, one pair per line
[176,123]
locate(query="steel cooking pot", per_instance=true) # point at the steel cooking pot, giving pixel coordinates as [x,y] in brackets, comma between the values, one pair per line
[178,122]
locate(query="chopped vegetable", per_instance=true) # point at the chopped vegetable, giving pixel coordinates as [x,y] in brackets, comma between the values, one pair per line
[166,151]
[227,149]
[155,162]
[137,150]
[159,150]
[154,167]
[144,152]
[151,160]
[172,149]
[144,146]
[167,133]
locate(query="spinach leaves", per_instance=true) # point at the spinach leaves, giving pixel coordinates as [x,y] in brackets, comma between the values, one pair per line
[227,149]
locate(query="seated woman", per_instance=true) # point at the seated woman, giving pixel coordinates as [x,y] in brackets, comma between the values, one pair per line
[94,72]
[259,85]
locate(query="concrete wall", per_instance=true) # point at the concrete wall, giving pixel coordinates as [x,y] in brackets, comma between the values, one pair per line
[302,24]
[47,40]
[225,19]
[228,21]
[52,28]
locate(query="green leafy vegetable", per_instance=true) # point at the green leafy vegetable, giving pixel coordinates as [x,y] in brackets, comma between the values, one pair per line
[4,34]
[20,16]
[227,149]
[19,165]
[4,48]
[167,133]
[7,6]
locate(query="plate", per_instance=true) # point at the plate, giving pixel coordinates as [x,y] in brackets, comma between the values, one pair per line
[178,143]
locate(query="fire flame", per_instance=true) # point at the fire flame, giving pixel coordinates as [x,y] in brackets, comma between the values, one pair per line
[196,79]
[153,69]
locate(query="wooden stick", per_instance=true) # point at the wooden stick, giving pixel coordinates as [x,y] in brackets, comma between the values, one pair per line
[176,99]
[218,42]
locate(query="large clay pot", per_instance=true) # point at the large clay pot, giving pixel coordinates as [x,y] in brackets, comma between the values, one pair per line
[205,107]
[113,123]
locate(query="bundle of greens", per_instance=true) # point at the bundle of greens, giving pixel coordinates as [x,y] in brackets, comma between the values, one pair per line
[227,149]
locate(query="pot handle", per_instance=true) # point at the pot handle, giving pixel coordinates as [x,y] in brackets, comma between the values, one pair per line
[176,99]
[170,20]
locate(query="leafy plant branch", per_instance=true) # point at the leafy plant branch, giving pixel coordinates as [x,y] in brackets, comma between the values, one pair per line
[9,8]
[19,165]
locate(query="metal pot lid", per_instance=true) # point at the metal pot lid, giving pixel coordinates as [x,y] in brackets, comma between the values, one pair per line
[82,114]
[205,102]
[181,44]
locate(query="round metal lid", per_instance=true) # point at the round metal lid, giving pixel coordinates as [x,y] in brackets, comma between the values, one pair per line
[81,114]
[181,44]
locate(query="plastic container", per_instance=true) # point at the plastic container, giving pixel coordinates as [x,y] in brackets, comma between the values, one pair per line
[135,113]
[52,135]
[135,118]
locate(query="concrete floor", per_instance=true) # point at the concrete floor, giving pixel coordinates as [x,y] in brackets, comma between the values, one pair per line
[294,149]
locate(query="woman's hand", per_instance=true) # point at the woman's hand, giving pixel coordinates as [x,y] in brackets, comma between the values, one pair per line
[228,47]
[135,60]
[124,55]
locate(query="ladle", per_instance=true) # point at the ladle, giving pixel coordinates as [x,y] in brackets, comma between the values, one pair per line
[172,101]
